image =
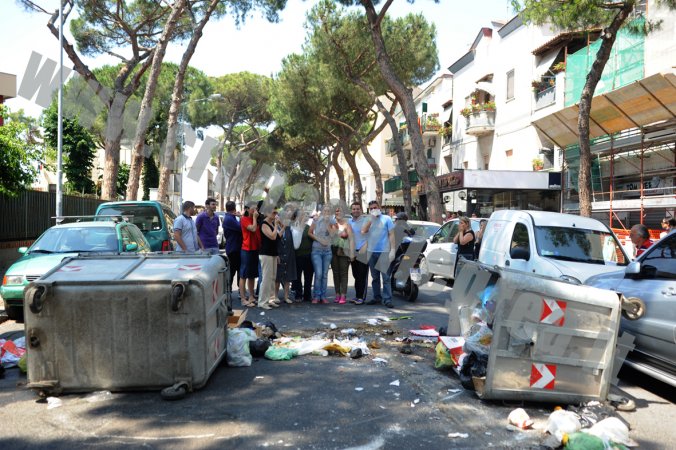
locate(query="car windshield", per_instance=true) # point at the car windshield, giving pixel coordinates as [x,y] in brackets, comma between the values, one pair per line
[425,230]
[579,245]
[146,218]
[76,239]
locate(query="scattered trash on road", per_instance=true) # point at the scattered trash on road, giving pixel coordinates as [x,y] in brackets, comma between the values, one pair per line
[562,422]
[458,435]
[53,402]
[99,396]
[520,418]
[394,383]
[359,389]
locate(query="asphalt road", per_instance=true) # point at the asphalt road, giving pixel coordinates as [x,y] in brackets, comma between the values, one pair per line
[314,402]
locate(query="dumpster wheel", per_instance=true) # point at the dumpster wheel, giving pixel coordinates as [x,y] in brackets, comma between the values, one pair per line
[633,308]
[175,392]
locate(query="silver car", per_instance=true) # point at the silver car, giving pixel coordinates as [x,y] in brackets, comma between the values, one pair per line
[650,284]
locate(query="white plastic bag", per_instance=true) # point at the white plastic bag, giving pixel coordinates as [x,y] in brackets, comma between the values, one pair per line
[238,354]
[297,236]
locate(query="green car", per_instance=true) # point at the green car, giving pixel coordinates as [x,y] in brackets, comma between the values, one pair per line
[154,219]
[63,241]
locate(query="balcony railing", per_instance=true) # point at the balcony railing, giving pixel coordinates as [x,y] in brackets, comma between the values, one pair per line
[394,184]
[480,123]
[545,98]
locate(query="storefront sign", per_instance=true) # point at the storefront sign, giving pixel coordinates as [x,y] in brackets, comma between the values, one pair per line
[450,180]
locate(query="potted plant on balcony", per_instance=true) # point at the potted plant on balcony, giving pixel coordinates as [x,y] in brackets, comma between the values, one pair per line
[477,108]
[432,124]
[538,163]
[558,67]
[446,131]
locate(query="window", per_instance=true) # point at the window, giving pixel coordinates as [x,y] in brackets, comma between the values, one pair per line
[510,84]
[660,259]
[520,237]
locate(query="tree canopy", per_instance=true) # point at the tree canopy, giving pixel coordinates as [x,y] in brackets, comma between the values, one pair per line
[20,153]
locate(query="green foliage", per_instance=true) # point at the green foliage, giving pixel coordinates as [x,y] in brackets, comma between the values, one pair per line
[122,179]
[19,155]
[78,147]
[151,177]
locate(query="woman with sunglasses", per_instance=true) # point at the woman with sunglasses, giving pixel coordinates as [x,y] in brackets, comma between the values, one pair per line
[342,250]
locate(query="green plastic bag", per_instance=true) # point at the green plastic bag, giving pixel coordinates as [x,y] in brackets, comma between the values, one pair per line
[23,364]
[443,359]
[280,353]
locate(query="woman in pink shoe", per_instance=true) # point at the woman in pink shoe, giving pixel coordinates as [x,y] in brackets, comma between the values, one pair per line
[342,249]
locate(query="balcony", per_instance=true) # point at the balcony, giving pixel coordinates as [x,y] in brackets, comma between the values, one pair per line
[545,98]
[480,123]
[394,184]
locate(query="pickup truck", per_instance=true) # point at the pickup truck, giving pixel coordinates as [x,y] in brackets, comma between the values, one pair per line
[572,248]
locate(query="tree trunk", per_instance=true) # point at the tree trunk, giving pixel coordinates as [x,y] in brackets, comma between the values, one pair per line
[607,40]
[358,189]
[405,98]
[377,174]
[114,130]
[176,99]
[340,174]
[145,114]
[401,159]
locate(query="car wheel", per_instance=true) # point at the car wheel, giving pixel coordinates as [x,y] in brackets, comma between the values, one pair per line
[411,291]
[425,271]
[15,313]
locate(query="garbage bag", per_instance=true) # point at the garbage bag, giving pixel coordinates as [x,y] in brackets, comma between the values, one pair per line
[480,340]
[443,359]
[473,365]
[258,347]
[238,354]
[280,353]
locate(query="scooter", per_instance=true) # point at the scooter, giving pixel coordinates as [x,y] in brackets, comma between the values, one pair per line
[405,269]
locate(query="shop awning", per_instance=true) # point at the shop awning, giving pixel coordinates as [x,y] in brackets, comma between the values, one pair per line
[641,103]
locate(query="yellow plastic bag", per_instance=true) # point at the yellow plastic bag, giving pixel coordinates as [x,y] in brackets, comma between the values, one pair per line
[443,359]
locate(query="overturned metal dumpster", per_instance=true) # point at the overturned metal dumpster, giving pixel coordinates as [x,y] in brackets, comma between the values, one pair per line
[127,322]
[552,341]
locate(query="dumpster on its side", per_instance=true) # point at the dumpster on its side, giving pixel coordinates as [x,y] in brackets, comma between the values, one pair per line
[552,341]
[127,323]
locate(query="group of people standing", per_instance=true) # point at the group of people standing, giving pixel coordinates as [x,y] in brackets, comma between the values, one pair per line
[286,248]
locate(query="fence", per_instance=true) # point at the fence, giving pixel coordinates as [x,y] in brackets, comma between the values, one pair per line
[26,216]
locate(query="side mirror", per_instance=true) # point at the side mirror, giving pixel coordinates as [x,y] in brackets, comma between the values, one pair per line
[634,268]
[22,250]
[520,253]
[131,247]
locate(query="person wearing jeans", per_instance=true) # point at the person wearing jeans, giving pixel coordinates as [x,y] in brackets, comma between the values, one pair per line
[320,233]
[343,252]
[381,249]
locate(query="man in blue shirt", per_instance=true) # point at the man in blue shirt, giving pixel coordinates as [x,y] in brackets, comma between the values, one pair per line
[379,233]
[207,226]
[185,232]
[232,233]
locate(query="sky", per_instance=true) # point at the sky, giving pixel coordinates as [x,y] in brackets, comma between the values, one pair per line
[257,46]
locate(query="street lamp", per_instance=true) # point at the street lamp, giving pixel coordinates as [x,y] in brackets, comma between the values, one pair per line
[183,156]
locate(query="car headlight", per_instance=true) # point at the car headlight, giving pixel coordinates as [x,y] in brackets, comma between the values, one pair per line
[570,279]
[8,280]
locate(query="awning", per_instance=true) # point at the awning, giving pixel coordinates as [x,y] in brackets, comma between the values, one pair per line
[638,104]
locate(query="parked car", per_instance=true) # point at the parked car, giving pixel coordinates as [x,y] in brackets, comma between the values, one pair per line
[423,228]
[63,241]
[649,283]
[155,220]
[565,246]
[439,257]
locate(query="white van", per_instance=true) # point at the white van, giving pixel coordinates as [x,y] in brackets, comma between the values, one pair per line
[563,246]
